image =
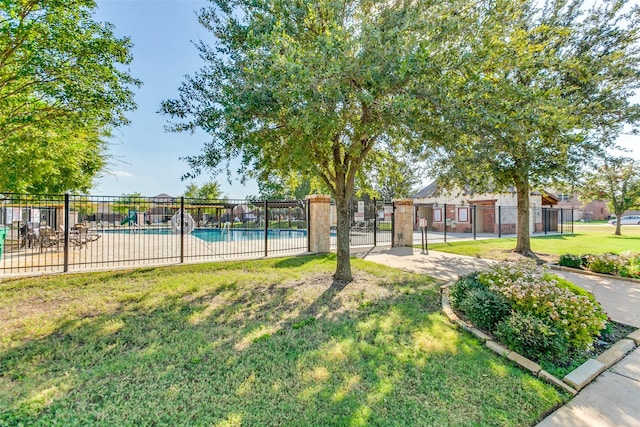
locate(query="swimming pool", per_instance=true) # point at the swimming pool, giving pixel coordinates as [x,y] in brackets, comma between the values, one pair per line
[234,235]
[220,234]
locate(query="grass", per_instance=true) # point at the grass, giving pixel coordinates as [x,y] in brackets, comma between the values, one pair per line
[588,238]
[271,342]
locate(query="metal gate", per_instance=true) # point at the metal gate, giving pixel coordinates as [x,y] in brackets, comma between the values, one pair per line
[370,223]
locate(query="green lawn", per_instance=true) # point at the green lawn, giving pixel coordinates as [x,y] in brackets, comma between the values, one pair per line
[271,342]
[588,238]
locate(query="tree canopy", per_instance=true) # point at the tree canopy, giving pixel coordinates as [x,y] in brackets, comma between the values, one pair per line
[63,88]
[616,180]
[543,91]
[390,175]
[206,191]
[132,201]
[315,87]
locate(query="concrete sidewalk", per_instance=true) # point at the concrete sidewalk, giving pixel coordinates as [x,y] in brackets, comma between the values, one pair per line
[441,265]
[613,399]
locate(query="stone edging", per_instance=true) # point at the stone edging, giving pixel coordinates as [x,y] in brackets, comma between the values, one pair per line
[575,380]
[591,273]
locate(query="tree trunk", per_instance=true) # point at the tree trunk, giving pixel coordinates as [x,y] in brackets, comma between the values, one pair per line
[618,225]
[523,244]
[343,268]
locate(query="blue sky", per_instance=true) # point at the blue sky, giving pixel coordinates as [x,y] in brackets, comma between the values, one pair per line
[145,158]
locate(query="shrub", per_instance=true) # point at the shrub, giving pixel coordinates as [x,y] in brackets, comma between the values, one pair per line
[605,263]
[569,260]
[585,260]
[564,283]
[632,271]
[458,291]
[532,337]
[630,265]
[530,290]
[485,308]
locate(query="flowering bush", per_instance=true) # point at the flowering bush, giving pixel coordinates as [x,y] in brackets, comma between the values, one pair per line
[626,264]
[631,264]
[531,290]
[605,263]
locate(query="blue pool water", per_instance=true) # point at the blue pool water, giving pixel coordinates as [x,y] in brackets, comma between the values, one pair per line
[222,235]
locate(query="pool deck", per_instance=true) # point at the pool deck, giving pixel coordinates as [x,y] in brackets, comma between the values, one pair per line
[128,250]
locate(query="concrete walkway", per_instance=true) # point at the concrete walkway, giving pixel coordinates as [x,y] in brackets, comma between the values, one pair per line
[441,265]
[613,399]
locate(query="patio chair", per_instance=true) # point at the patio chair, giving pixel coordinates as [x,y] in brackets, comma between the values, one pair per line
[48,238]
[80,235]
[29,234]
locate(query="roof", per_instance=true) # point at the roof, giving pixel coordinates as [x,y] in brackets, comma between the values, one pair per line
[548,198]
[428,191]
[432,190]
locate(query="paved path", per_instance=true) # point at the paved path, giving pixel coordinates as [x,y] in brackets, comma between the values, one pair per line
[441,265]
[613,399]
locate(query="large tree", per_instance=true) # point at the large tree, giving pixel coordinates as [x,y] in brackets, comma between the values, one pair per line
[616,180]
[63,88]
[290,186]
[207,191]
[391,175]
[543,90]
[315,87]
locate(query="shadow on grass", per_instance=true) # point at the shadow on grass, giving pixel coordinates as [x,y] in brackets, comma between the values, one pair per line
[248,354]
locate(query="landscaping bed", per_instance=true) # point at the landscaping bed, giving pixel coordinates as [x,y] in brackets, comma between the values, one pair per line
[625,264]
[270,342]
[539,315]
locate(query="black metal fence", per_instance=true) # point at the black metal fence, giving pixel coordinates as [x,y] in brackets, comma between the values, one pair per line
[448,222]
[59,233]
[371,223]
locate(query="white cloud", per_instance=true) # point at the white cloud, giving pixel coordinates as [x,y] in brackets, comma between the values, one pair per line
[121,174]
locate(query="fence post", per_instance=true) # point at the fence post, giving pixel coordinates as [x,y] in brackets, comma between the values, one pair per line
[375,223]
[66,232]
[181,229]
[266,227]
[320,221]
[499,221]
[444,221]
[475,221]
[403,223]
[308,225]
[393,223]
[561,221]
[572,220]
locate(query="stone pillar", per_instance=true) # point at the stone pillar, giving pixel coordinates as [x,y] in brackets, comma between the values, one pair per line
[403,222]
[319,226]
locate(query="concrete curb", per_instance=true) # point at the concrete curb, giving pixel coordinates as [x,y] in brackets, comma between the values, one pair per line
[635,336]
[572,382]
[591,273]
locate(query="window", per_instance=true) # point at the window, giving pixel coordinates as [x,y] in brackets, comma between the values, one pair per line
[437,215]
[463,214]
